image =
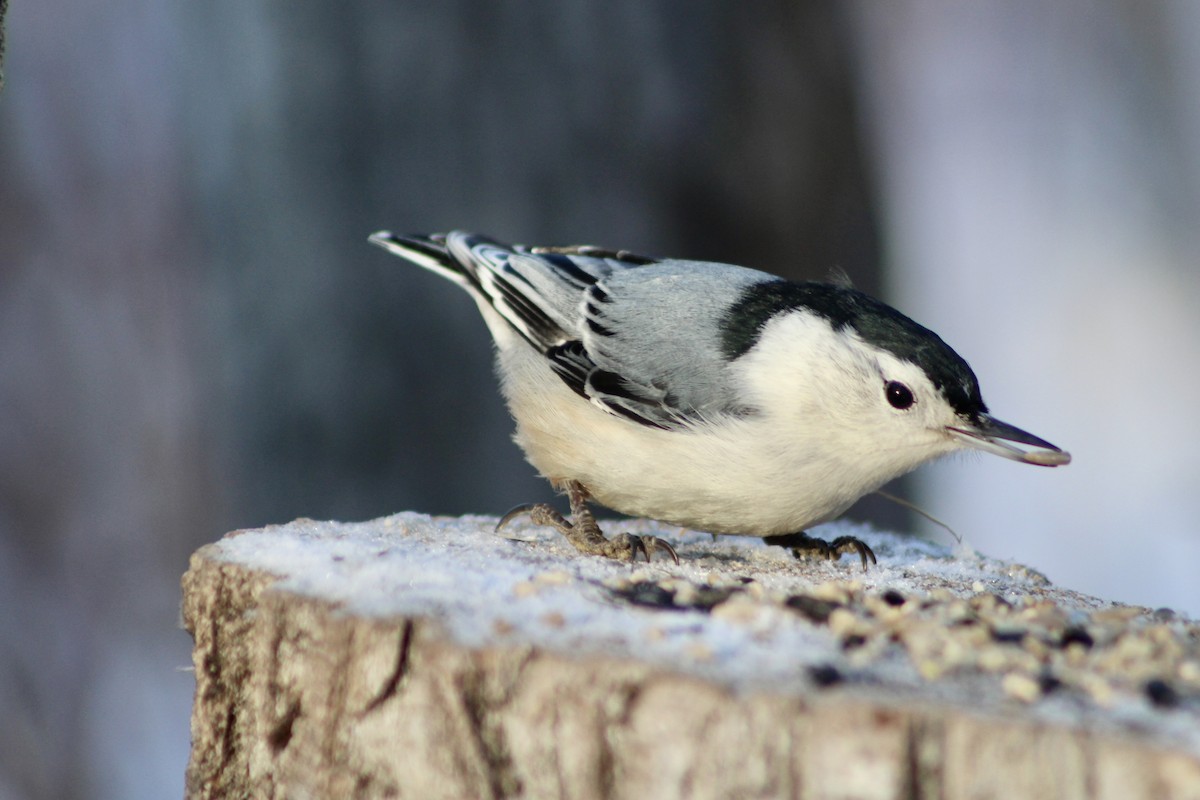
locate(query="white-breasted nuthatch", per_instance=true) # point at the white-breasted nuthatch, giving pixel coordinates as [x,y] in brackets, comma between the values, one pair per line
[711,396]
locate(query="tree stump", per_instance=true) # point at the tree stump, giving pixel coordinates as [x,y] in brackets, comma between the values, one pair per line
[432,658]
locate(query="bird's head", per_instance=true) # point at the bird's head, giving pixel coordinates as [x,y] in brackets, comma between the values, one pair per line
[884,387]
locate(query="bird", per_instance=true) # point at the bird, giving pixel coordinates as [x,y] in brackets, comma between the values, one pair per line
[710,396]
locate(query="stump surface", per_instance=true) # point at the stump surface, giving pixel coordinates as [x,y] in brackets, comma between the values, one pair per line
[431,658]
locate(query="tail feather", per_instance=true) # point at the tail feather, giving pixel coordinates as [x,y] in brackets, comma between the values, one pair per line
[480,265]
[429,252]
[535,292]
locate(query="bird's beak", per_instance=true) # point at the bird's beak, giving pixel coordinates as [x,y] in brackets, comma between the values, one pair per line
[992,435]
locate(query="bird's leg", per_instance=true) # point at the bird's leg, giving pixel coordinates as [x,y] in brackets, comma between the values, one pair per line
[803,545]
[584,533]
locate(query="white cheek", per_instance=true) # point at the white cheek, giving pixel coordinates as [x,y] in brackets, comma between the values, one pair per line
[826,392]
[800,366]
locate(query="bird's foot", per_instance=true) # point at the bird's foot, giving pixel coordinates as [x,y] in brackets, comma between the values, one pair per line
[585,534]
[802,545]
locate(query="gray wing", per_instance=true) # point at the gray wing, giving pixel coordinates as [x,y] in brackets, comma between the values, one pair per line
[536,290]
[636,336]
[652,337]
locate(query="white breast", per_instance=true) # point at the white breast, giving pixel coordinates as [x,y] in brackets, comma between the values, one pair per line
[737,477]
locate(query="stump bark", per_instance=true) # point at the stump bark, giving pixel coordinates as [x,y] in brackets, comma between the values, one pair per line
[410,657]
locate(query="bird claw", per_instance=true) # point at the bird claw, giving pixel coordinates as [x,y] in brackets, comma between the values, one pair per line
[627,546]
[849,544]
[624,547]
[586,536]
[801,544]
[525,508]
[653,543]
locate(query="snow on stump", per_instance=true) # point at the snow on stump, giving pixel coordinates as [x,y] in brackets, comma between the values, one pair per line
[413,657]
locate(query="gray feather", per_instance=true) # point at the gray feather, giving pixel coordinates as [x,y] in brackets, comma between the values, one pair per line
[638,337]
[663,336]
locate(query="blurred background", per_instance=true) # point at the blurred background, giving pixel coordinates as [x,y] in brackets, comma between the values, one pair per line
[196,337]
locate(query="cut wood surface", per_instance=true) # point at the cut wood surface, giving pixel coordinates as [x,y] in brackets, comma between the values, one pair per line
[432,658]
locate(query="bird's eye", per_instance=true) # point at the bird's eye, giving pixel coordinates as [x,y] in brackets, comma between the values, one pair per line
[899,395]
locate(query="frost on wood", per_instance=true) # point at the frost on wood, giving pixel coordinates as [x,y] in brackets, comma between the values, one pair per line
[410,657]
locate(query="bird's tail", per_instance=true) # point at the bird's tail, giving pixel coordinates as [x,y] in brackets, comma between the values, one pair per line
[429,252]
[480,265]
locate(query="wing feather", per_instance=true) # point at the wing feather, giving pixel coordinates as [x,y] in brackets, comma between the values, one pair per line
[633,335]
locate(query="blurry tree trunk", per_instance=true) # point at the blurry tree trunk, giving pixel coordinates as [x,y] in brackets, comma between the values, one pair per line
[3,9]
